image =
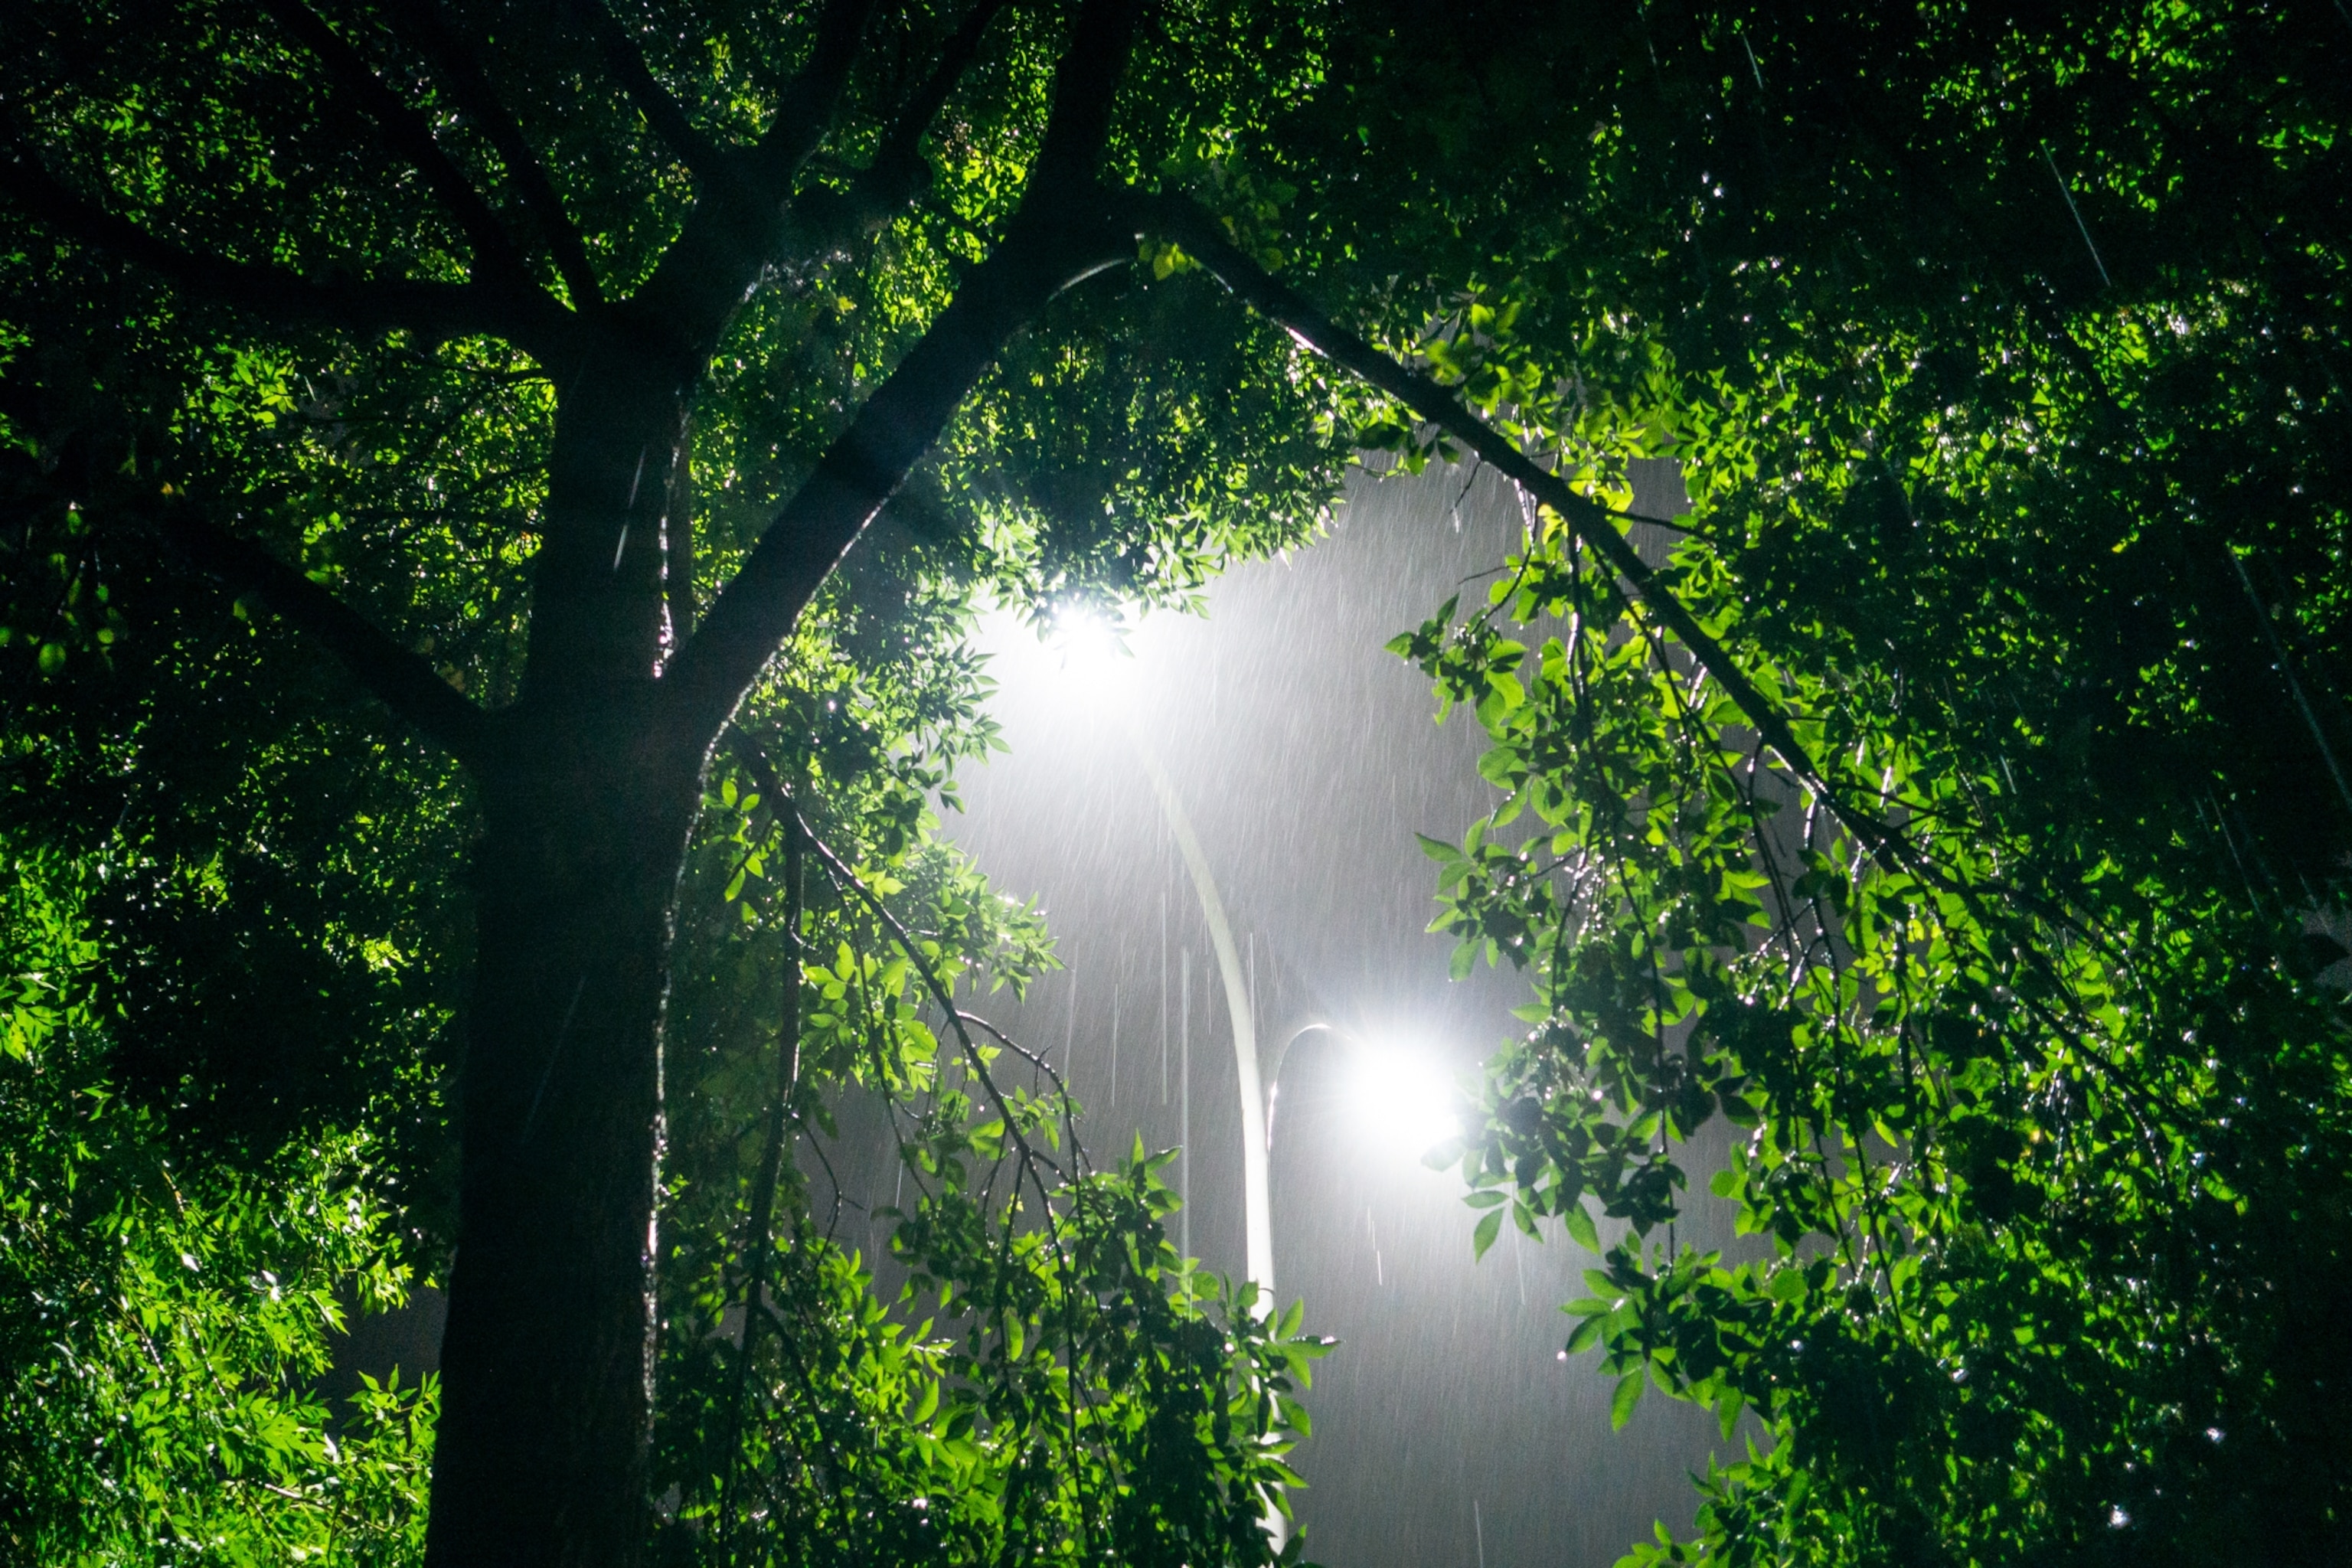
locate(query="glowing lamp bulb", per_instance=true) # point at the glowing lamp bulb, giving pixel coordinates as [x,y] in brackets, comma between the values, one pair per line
[1404,1102]
[1092,656]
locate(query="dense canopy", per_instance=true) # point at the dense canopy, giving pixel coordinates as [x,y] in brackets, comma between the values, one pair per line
[496,500]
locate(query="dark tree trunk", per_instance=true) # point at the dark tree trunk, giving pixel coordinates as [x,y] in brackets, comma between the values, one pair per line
[590,783]
[548,1357]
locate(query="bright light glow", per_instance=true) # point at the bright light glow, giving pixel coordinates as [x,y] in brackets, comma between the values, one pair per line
[1093,656]
[1402,1101]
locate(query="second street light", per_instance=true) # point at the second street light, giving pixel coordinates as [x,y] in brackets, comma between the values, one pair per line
[1400,1098]
[1397,1099]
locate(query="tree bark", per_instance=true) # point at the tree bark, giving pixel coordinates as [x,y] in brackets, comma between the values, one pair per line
[547,1362]
[596,617]
[590,786]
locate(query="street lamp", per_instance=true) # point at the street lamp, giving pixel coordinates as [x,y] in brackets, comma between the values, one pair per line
[1401,1100]
[1090,650]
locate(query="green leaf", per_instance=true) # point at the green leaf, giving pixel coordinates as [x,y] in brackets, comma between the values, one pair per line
[1484,1235]
[1628,1395]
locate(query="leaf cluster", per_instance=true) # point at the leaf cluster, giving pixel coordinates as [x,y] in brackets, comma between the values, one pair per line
[162,1322]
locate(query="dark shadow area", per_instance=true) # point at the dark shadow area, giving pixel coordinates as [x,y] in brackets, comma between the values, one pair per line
[406,1339]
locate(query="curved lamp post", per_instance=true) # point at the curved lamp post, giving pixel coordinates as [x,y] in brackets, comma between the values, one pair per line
[1257,1217]
[1088,645]
[1398,1098]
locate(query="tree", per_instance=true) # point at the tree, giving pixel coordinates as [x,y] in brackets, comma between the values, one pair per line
[474,418]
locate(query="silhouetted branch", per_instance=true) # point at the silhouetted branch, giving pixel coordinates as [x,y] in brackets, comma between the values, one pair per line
[808,103]
[760,1248]
[703,157]
[897,173]
[408,135]
[401,680]
[470,85]
[846,881]
[532,320]
[1064,231]
[739,226]
[915,116]
[1199,232]
[1085,84]
[1061,1099]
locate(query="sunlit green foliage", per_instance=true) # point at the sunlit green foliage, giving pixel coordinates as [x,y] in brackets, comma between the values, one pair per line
[161,1321]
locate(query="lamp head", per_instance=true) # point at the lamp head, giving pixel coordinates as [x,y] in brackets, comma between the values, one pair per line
[1088,645]
[1403,1100]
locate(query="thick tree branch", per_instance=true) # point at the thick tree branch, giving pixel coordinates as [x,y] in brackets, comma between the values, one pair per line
[532,320]
[902,144]
[470,85]
[1085,86]
[756,610]
[401,679]
[741,220]
[827,219]
[406,134]
[1064,231]
[809,101]
[1201,234]
[704,158]
[823,222]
